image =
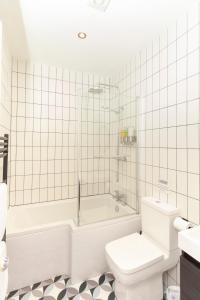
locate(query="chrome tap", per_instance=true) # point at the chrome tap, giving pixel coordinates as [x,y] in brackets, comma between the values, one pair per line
[120,197]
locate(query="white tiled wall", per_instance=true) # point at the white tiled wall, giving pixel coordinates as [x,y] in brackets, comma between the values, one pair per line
[165,77]
[52,114]
[5,90]
[167,80]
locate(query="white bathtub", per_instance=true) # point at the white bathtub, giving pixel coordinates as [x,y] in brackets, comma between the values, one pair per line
[44,241]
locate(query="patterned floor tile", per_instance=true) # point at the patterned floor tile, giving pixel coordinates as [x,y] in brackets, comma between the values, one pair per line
[61,288]
[84,296]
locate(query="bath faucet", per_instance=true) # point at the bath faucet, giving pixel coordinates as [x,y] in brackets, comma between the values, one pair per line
[120,197]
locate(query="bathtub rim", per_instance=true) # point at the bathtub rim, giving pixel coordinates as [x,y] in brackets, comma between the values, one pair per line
[71,221]
[71,224]
[54,202]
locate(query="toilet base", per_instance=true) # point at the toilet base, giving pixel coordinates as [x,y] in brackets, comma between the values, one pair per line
[151,288]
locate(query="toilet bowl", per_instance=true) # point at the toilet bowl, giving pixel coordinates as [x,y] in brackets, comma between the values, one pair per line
[138,260]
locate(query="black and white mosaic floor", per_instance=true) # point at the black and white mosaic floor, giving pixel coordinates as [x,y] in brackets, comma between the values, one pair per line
[60,288]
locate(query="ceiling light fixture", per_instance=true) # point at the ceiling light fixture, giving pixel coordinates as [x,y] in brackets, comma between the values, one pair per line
[101,5]
[82,35]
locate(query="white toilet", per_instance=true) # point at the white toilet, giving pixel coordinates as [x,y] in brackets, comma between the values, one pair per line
[138,261]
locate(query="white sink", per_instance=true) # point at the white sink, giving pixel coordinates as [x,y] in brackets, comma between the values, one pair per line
[189,242]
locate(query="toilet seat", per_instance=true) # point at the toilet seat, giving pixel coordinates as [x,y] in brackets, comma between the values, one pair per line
[133,253]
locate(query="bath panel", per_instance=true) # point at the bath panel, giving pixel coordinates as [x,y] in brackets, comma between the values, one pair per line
[37,255]
[44,241]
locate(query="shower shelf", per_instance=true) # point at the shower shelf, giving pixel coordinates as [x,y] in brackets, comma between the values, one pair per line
[128,141]
[119,158]
[101,157]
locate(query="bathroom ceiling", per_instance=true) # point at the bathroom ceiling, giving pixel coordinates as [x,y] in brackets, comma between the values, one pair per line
[46,30]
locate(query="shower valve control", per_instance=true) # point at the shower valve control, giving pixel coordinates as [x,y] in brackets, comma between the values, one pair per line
[4,261]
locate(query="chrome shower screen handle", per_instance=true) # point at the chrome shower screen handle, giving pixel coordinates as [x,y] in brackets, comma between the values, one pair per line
[79,201]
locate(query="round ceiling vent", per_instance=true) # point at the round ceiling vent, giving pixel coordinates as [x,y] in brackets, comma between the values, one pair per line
[99,4]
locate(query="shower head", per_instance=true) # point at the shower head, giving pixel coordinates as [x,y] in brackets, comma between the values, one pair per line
[95,90]
[112,110]
[100,88]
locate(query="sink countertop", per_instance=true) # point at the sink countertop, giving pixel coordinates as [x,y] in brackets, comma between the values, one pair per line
[189,242]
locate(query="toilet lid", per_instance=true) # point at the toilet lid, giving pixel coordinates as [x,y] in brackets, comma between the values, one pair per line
[133,253]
